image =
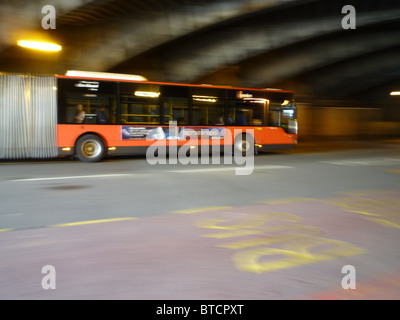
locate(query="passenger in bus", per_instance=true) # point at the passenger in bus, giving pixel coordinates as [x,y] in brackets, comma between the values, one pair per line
[229,120]
[240,119]
[181,121]
[220,121]
[101,115]
[80,114]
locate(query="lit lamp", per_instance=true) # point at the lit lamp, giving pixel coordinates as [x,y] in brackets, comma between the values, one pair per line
[37,45]
[395,93]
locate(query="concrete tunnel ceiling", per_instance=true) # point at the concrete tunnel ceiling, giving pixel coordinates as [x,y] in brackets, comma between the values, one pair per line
[290,44]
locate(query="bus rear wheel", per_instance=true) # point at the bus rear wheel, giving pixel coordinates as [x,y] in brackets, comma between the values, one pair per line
[90,148]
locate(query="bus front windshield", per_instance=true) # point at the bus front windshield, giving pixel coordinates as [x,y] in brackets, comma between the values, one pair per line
[283,115]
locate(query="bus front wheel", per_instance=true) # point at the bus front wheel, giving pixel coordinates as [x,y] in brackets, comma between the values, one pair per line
[90,148]
[244,143]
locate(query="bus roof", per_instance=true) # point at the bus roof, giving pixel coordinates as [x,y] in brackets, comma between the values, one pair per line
[102,76]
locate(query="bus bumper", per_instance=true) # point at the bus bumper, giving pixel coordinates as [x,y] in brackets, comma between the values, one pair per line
[66,151]
[276,147]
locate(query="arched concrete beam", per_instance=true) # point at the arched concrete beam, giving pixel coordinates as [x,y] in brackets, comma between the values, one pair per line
[205,58]
[297,60]
[356,75]
[126,38]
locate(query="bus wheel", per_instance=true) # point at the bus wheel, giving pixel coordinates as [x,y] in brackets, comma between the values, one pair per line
[90,148]
[244,143]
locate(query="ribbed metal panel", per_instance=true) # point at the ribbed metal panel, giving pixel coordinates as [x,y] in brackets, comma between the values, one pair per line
[28,116]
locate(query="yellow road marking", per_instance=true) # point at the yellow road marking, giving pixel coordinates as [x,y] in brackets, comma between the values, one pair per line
[298,244]
[363,212]
[293,232]
[286,200]
[349,208]
[4,230]
[394,171]
[91,221]
[384,211]
[362,192]
[202,209]
[294,255]
[252,221]
[385,223]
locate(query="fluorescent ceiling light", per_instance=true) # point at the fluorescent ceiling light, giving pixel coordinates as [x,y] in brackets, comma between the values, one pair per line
[147,94]
[37,45]
[204,98]
[256,100]
[104,75]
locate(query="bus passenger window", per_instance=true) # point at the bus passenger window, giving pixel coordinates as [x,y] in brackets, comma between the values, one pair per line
[176,104]
[208,106]
[135,111]
[208,113]
[245,112]
[176,109]
[81,109]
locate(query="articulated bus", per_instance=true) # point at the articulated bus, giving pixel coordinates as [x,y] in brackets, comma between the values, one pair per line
[92,115]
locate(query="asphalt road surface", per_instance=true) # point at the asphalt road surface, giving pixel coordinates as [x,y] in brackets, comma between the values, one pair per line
[125,229]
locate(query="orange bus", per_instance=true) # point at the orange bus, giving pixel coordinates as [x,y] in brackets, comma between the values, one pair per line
[97,115]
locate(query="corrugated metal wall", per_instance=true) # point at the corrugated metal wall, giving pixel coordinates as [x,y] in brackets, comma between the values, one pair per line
[28,116]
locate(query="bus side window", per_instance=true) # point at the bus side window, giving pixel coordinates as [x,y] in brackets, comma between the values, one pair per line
[245,112]
[208,113]
[176,104]
[176,109]
[90,107]
[135,111]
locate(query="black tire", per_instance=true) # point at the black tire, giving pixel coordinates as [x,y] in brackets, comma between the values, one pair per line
[243,143]
[90,148]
